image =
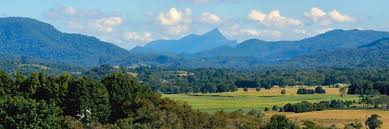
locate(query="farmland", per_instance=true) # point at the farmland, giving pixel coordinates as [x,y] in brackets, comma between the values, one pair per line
[252,99]
[335,117]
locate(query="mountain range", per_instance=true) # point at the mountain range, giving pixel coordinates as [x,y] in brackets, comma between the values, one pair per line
[36,41]
[188,45]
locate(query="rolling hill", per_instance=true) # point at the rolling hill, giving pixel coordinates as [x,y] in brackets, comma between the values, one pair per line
[25,37]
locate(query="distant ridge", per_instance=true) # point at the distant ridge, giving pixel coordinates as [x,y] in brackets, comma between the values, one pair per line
[189,44]
[38,40]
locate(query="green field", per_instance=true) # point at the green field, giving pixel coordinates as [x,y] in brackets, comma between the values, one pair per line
[252,99]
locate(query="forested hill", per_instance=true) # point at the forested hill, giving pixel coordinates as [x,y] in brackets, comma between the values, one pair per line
[374,54]
[277,50]
[34,39]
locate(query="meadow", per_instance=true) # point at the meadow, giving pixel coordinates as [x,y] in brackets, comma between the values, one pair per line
[335,117]
[252,99]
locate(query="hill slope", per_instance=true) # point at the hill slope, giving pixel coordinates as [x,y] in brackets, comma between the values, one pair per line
[279,50]
[374,54]
[31,38]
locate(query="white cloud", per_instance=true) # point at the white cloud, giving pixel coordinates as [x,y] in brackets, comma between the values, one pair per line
[137,37]
[106,24]
[84,21]
[339,17]
[318,15]
[251,32]
[315,14]
[176,22]
[210,18]
[174,16]
[273,19]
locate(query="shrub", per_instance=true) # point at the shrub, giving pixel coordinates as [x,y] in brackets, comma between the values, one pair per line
[245,89]
[258,89]
[267,109]
[320,90]
[275,108]
[305,91]
[283,91]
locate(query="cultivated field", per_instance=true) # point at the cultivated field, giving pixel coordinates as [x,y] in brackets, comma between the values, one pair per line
[252,99]
[336,117]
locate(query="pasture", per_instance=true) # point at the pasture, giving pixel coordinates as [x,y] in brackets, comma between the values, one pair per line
[252,99]
[335,117]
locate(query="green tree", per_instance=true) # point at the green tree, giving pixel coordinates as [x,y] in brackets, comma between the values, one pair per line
[126,95]
[7,86]
[275,108]
[373,122]
[88,100]
[283,91]
[18,112]
[31,84]
[245,89]
[280,122]
[258,89]
[368,96]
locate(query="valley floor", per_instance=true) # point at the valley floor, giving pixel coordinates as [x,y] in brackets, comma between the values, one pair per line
[231,101]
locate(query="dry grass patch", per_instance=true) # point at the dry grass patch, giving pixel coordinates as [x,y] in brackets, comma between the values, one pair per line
[336,117]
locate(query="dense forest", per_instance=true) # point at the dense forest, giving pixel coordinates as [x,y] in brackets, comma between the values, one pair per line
[116,101]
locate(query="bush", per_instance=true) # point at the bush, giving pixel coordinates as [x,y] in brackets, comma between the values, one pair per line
[267,109]
[283,91]
[245,89]
[258,89]
[275,108]
[305,91]
[320,90]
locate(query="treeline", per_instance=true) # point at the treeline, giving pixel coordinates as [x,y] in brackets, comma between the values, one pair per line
[306,106]
[317,90]
[363,86]
[210,80]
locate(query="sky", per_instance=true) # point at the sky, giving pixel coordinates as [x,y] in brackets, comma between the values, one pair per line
[130,23]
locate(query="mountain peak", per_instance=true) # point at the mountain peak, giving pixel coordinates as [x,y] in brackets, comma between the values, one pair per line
[214,33]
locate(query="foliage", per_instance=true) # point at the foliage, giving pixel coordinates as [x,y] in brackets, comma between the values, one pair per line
[373,122]
[18,112]
[305,91]
[306,106]
[283,91]
[280,122]
[320,90]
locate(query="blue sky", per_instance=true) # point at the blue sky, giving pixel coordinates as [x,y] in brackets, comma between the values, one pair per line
[129,23]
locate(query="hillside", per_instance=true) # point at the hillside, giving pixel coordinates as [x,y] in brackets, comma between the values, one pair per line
[374,54]
[279,50]
[34,39]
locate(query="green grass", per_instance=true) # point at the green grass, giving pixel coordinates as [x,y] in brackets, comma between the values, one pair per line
[246,101]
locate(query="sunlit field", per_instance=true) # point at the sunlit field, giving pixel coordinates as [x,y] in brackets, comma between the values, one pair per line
[253,99]
[335,117]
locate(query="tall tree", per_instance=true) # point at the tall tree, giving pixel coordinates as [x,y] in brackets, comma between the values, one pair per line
[88,100]
[19,112]
[126,95]
[373,122]
[7,86]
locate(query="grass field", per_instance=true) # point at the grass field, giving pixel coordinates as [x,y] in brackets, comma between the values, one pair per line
[336,117]
[252,99]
